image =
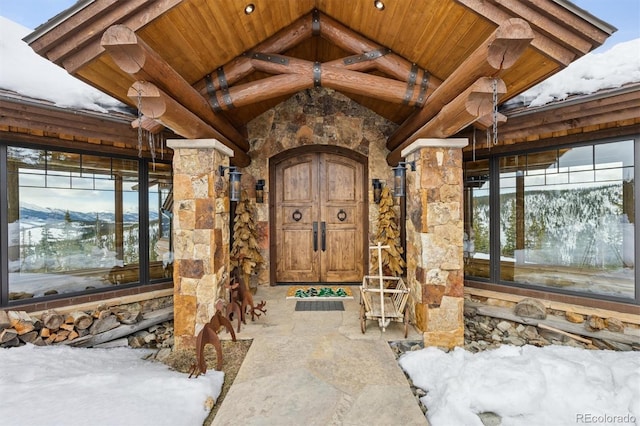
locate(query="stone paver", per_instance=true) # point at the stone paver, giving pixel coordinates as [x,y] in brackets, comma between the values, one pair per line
[317,368]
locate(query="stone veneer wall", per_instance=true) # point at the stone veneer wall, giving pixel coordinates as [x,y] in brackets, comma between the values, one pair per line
[201,234]
[435,269]
[314,117]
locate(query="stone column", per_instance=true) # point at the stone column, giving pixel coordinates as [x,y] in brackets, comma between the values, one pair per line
[200,234]
[435,229]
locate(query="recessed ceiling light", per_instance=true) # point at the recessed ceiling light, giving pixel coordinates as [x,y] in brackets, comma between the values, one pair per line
[248,9]
[378,4]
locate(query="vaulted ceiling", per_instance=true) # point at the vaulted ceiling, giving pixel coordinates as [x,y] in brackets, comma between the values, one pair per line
[204,68]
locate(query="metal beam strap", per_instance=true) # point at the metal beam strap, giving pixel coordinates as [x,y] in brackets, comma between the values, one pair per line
[269,57]
[413,74]
[367,56]
[224,88]
[315,22]
[317,74]
[422,96]
[211,91]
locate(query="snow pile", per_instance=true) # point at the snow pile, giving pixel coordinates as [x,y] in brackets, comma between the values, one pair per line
[593,72]
[59,385]
[554,385]
[27,73]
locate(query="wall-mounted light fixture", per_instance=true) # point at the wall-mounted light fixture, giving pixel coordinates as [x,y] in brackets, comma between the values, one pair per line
[248,9]
[378,4]
[377,190]
[234,181]
[260,191]
[400,177]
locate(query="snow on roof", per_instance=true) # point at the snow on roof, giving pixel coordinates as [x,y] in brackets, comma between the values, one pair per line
[25,72]
[593,72]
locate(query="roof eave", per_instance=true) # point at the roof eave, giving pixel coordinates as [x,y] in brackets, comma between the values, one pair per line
[56,20]
[578,99]
[593,20]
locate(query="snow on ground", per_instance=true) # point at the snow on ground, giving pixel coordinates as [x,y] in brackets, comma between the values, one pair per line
[528,386]
[29,74]
[60,385]
[554,385]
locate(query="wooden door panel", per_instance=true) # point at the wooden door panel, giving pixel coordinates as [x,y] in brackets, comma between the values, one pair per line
[341,210]
[325,190]
[340,183]
[297,182]
[297,261]
[343,256]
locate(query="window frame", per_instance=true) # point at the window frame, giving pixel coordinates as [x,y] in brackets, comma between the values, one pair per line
[144,165]
[494,219]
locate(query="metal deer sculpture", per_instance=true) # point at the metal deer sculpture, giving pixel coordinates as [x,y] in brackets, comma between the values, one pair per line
[241,297]
[209,334]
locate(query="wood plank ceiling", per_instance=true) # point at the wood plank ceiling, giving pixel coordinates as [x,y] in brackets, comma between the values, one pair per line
[205,68]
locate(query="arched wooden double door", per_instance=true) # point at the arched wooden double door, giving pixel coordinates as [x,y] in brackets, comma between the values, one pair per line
[318,217]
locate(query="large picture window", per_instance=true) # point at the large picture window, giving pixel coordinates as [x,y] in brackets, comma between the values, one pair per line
[75,222]
[564,220]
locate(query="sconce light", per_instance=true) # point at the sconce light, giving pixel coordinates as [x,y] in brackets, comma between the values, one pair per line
[400,177]
[377,190]
[260,191]
[234,181]
[378,4]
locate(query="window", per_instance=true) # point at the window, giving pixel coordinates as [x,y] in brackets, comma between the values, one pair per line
[476,243]
[564,220]
[74,222]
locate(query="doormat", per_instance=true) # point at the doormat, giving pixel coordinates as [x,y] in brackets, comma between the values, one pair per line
[319,292]
[319,305]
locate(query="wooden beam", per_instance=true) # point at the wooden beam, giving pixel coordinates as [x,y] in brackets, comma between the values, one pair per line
[466,108]
[498,53]
[160,106]
[135,57]
[570,20]
[486,121]
[263,89]
[391,63]
[75,57]
[148,124]
[56,120]
[340,78]
[65,29]
[240,67]
[547,24]
[626,111]
[541,42]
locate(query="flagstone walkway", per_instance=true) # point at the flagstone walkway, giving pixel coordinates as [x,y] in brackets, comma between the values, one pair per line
[317,368]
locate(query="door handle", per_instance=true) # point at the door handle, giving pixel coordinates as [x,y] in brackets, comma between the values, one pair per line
[324,236]
[315,236]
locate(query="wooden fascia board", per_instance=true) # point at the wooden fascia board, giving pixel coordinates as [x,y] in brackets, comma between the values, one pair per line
[71,124]
[545,45]
[76,41]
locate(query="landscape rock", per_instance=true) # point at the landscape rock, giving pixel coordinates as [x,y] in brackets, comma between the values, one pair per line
[594,323]
[614,324]
[531,308]
[574,317]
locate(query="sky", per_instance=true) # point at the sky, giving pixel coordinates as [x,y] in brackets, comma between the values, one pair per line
[622,14]
[526,386]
